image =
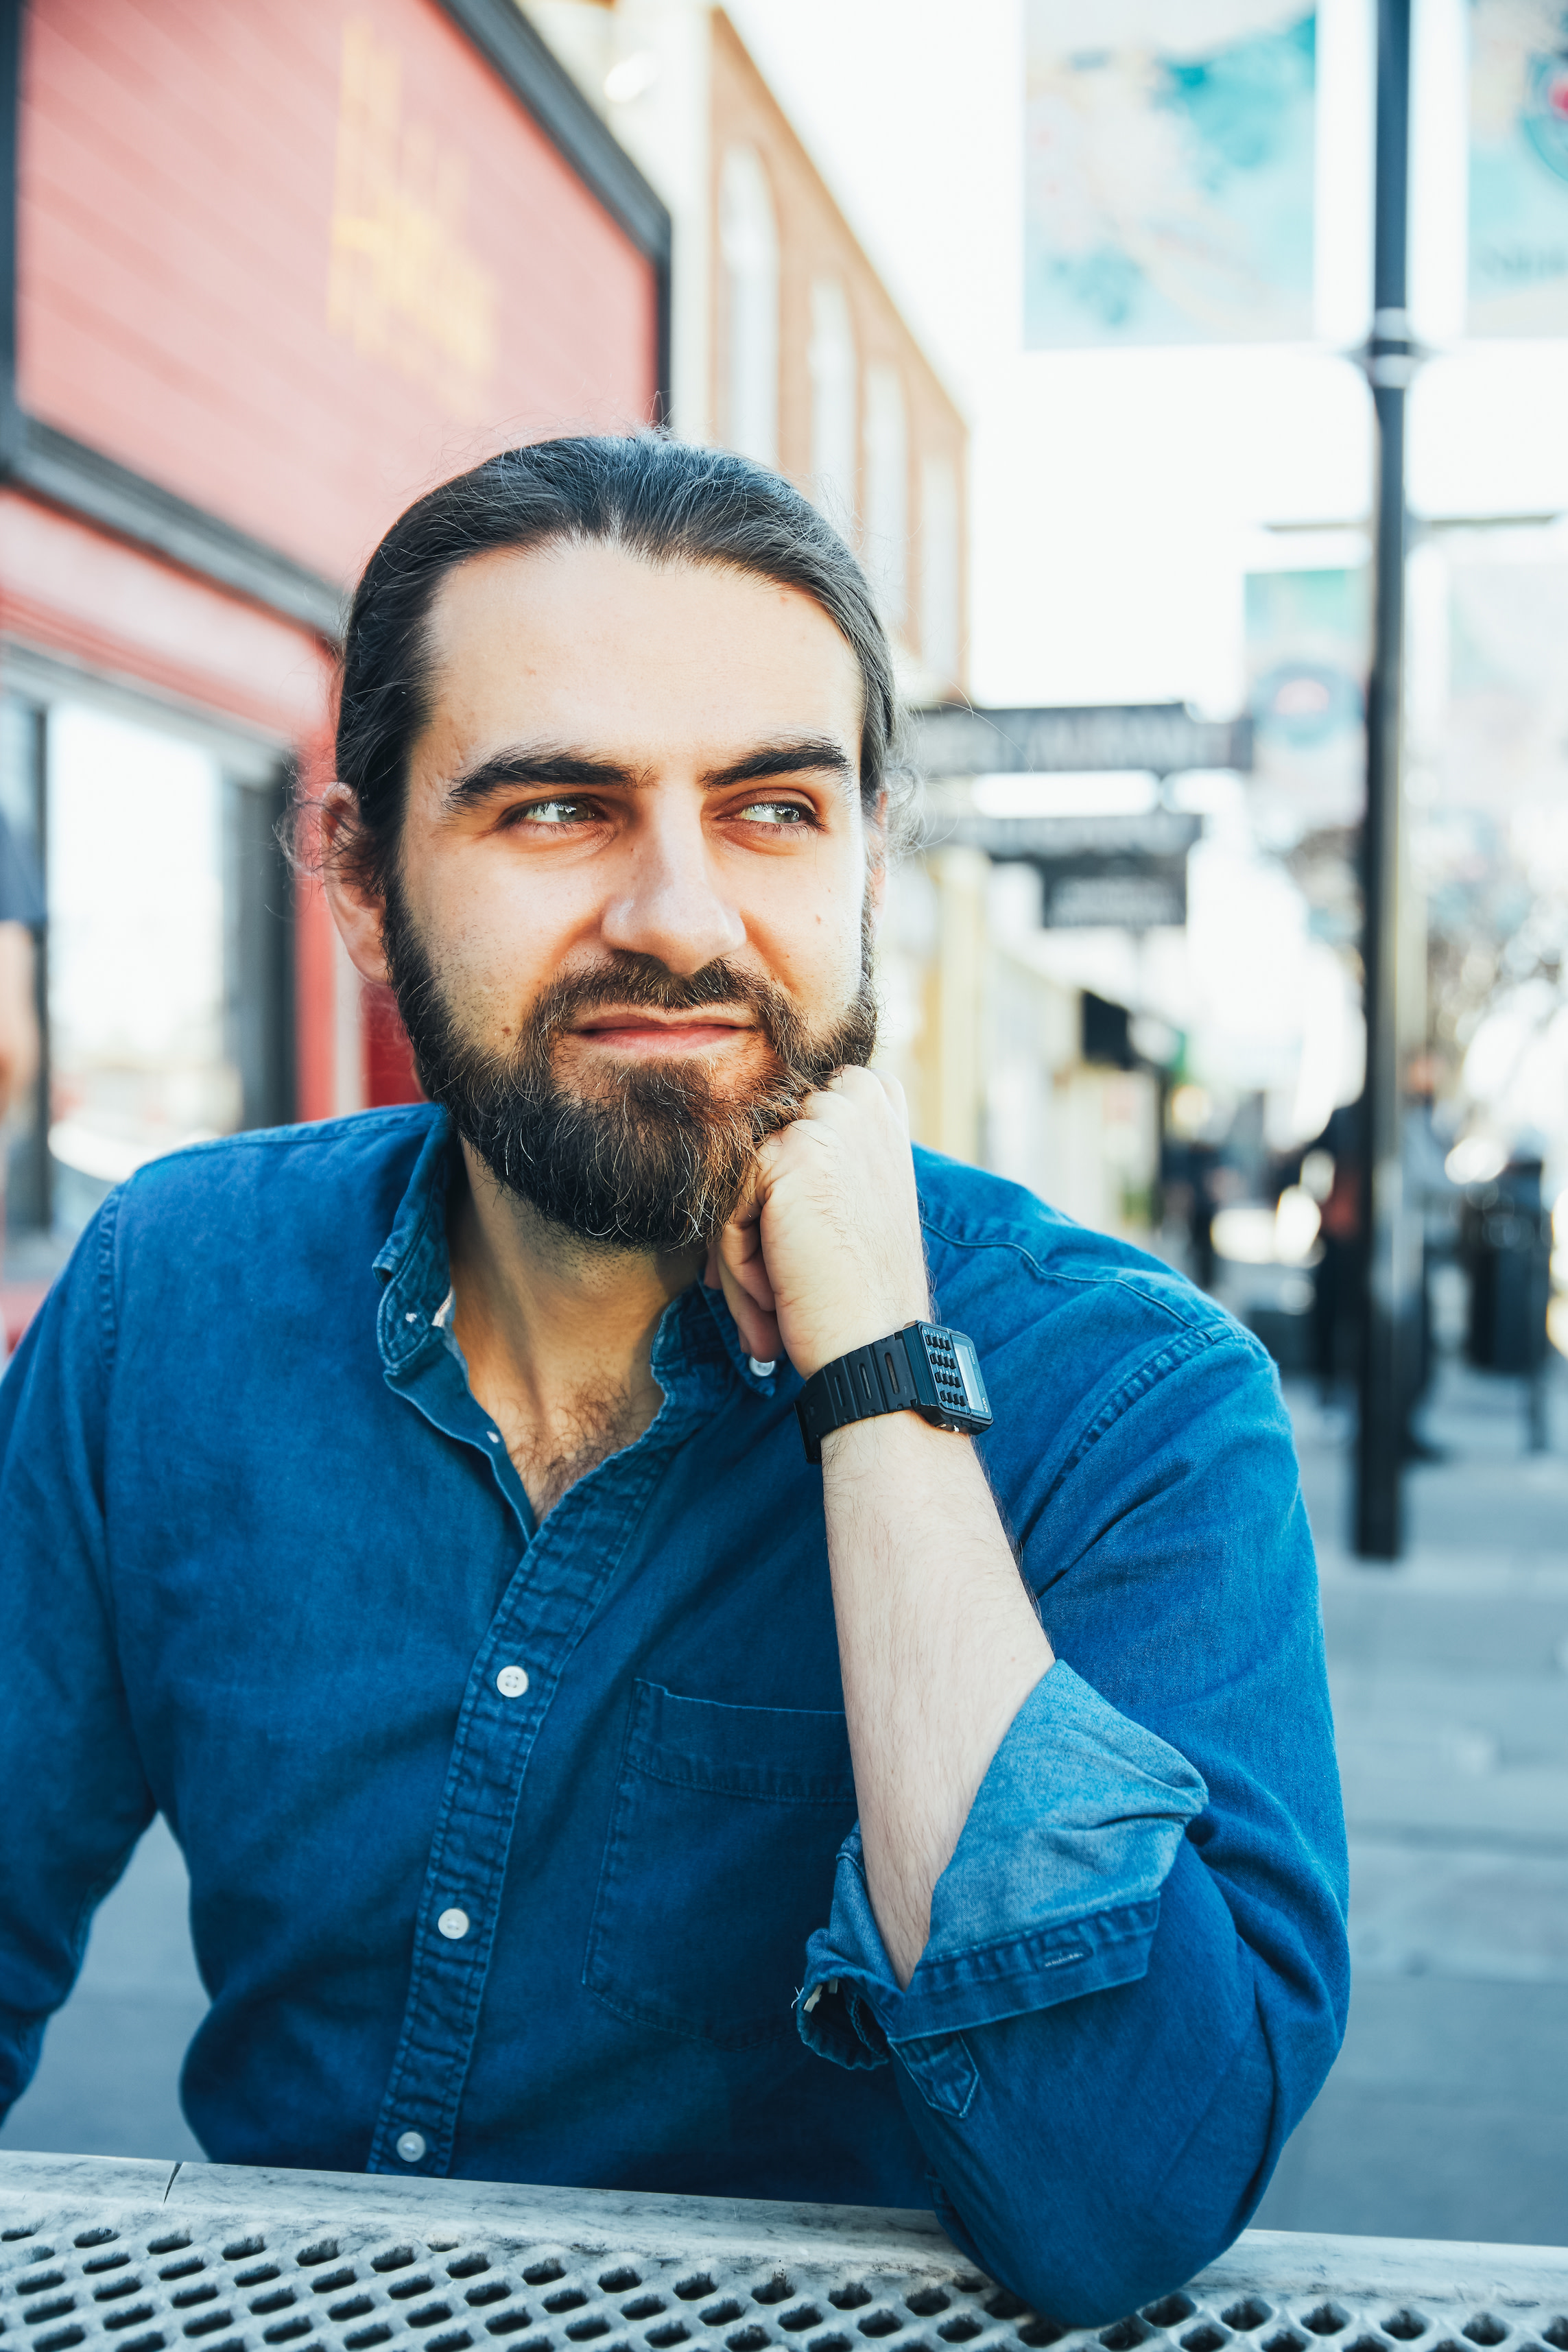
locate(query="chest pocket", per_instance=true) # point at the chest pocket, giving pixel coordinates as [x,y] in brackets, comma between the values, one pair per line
[717,1865]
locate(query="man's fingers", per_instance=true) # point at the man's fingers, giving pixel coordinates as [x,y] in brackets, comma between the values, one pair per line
[748,1294]
[741,1255]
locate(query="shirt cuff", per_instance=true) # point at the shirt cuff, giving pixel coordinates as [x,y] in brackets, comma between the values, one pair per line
[1053,1890]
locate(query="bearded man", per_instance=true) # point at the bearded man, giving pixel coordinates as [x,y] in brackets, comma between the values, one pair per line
[687,1646]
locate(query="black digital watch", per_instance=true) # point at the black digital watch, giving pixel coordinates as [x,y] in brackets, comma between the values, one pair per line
[924,1369]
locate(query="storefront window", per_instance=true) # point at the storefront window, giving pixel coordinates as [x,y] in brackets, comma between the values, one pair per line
[166,951]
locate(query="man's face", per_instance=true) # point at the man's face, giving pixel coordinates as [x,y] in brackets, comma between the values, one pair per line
[629,930]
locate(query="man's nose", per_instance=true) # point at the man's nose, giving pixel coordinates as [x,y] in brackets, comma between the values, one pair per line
[670,905]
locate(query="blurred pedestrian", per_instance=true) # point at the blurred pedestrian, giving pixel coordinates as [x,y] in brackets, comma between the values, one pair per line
[1334,1285]
[21,913]
[1431,1196]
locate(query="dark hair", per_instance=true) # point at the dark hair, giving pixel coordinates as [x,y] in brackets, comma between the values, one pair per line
[657,498]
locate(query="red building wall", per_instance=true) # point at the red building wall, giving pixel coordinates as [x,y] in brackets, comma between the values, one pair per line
[297,261]
[294,262]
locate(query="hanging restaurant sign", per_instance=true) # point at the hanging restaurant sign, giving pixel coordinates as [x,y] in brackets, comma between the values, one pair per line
[1164,739]
[1123,873]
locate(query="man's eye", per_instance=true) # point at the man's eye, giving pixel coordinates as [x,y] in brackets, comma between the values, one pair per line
[775,812]
[559,812]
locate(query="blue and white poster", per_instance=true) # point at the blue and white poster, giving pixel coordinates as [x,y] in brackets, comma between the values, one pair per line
[1518,167]
[1168,171]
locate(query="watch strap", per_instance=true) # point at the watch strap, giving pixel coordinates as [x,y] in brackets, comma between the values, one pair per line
[869,1381]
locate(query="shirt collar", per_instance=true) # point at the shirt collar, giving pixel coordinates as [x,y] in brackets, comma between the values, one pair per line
[696,1329]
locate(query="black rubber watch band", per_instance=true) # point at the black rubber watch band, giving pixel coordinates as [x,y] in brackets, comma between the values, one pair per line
[924,1369]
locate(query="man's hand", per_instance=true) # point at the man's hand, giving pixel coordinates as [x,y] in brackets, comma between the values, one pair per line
[826,1254]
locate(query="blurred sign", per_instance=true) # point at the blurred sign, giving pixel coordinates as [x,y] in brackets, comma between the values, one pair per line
[1169,171]
[1149,900]
[353,257]
[1162,739]
[1125,873]
[1307,647]
[1518,167]
[405,284]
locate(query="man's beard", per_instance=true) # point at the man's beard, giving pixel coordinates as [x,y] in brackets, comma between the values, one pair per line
[660,1158]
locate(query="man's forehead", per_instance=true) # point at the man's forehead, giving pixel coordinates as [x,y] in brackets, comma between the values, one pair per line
[594,637]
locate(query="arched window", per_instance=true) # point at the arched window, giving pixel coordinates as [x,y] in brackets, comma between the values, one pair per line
[748,244]
[939,569]
[835,419]
[888,489]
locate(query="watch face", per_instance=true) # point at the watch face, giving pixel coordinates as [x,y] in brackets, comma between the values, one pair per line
[955,1373]
[969,1373]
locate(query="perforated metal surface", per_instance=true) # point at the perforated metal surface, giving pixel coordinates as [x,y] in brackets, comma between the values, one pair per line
[226,2262]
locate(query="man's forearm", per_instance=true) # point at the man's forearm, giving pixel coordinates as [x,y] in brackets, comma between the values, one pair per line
[939,1645]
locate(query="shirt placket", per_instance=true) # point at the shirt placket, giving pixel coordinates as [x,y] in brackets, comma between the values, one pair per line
[559,1582]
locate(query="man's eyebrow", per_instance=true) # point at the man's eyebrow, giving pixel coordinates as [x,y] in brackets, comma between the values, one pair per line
[803,755]
[506,771]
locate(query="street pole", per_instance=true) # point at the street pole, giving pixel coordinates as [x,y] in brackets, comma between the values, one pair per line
[1386,1289]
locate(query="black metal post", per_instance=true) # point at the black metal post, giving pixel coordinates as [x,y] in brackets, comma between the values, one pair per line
[1386,1299]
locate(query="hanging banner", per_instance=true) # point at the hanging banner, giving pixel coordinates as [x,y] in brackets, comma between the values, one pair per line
[1168,171]
[1518,167]
[1308,637]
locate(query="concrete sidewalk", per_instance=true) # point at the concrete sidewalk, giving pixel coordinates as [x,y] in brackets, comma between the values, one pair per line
[1448,2114]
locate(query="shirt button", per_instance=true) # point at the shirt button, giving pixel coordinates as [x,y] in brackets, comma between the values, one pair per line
[454,1926]
[411,2147]
[511,1682]
[763,1369]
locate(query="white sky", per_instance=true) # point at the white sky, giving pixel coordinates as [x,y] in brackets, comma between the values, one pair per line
[1118,496]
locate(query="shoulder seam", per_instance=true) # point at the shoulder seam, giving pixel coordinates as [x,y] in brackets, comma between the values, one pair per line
[1219,1325]
[108,1314]
[1154,1369]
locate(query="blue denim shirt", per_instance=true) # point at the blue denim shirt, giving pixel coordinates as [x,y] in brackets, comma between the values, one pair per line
[528,1851]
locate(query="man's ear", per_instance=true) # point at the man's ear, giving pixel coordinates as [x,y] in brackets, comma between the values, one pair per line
[356,911]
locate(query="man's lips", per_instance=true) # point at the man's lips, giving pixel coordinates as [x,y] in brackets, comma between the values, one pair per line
[649,1034]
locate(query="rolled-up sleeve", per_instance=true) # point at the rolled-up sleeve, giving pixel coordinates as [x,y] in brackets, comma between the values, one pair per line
[1053,1890]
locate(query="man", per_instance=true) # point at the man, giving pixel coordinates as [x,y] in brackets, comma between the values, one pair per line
[415,1507]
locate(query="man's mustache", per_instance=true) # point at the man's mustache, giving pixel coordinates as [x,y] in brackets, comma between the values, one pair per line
[642,984]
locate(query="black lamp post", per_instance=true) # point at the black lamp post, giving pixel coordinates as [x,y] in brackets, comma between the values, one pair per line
[1388,1290]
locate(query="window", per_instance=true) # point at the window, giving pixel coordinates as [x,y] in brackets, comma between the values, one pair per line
[888,491]
[168,951]
[748,244]
[940,570]
[835,420]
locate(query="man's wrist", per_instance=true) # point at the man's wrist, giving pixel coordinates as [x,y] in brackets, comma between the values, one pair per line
[922,1367]
[862,1331]
[900,1441]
